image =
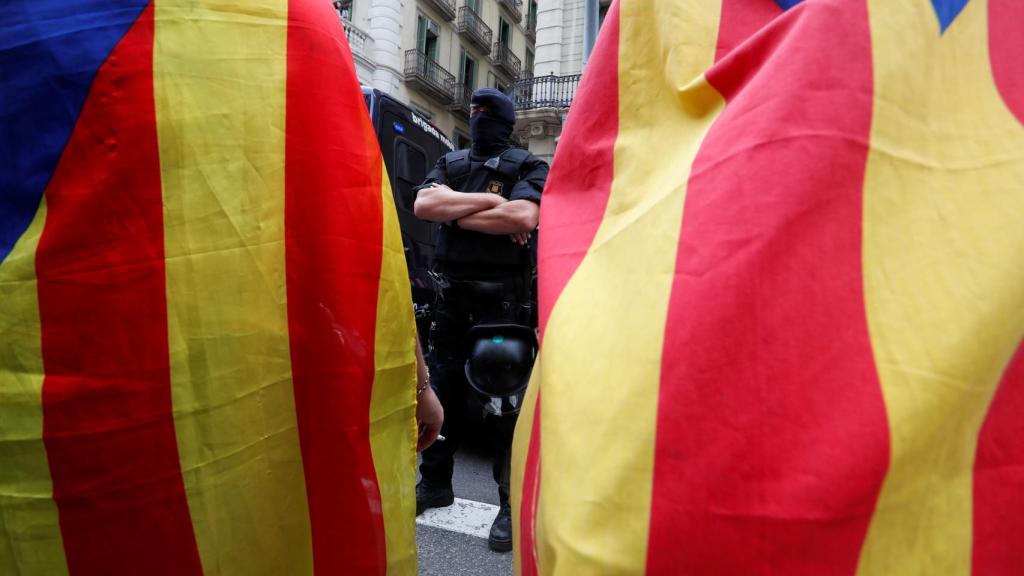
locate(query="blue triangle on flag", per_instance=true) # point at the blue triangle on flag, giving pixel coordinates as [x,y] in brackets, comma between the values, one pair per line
[947,11]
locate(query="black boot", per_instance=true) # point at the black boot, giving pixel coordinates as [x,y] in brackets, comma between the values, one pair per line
[428,496]
[500,539]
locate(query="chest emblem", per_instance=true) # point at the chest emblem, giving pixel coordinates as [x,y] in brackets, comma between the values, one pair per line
[495,186]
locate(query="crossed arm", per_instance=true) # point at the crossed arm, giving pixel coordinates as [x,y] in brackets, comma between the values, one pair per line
[478,211]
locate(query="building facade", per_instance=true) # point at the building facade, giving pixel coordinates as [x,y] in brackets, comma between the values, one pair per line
[432,54]
[566,30]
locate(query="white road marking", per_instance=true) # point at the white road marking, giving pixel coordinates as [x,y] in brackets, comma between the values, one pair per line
[464,516]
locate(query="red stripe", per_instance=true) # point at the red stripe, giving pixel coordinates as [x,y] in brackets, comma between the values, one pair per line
[1006,51]
[575,198]
[772,438]
[528,507]
[333,236]
[999,465]
[999,479]
[740,20]
[108,423]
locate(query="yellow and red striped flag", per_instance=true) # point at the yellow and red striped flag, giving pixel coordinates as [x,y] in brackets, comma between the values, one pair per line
[782,296]
[206,338]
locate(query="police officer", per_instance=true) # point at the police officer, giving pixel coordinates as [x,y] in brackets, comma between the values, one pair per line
[487,199]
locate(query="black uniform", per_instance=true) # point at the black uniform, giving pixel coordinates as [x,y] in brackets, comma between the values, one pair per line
[479,278]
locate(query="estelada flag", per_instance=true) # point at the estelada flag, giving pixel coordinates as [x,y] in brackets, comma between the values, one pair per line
[206,337]
[782,296]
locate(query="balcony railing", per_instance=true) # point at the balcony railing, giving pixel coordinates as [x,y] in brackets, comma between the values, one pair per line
[445,7]
[505,61]
[531,26]
[356,38]
[427,76]
[545,92]
[514,9]
[473,28]
[463,95]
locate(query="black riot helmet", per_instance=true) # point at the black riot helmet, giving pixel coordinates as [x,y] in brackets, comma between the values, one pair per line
[499,363]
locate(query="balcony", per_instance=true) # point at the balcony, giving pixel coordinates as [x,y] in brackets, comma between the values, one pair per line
[531,26]
[444,7]
[472,27]
[545,92]
[505,61]
[463,95]
[427,76]
[514,9]
[356,39]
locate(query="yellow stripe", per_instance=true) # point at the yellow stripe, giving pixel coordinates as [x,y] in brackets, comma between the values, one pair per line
[30,538]
[944,284]
[219,73]
[602,349]
[393,401]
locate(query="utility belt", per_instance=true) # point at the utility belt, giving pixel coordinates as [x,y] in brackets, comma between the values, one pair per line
[505,299]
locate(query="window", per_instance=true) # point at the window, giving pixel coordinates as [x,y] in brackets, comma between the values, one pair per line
[427,36]
[474,5]
[531,20]
[462,140]
[344,9]
[467,70]
[528,64]
[504,32]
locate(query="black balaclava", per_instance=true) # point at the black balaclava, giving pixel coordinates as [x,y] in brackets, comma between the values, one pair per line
[491,130]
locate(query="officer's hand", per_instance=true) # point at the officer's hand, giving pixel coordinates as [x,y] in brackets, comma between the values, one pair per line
[437,187]
[520,238]
[426,192]
[429,417]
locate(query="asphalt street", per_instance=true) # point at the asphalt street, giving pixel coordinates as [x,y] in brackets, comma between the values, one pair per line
[449,552]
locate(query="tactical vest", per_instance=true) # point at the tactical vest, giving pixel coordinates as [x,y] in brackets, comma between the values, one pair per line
[506,167]
[469,254]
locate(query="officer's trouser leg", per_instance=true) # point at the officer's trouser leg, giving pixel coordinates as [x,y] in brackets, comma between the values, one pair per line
[439,459]
[503,428]
[448,378]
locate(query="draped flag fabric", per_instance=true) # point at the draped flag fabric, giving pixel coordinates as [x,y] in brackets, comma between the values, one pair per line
[206,336]
[782,296]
